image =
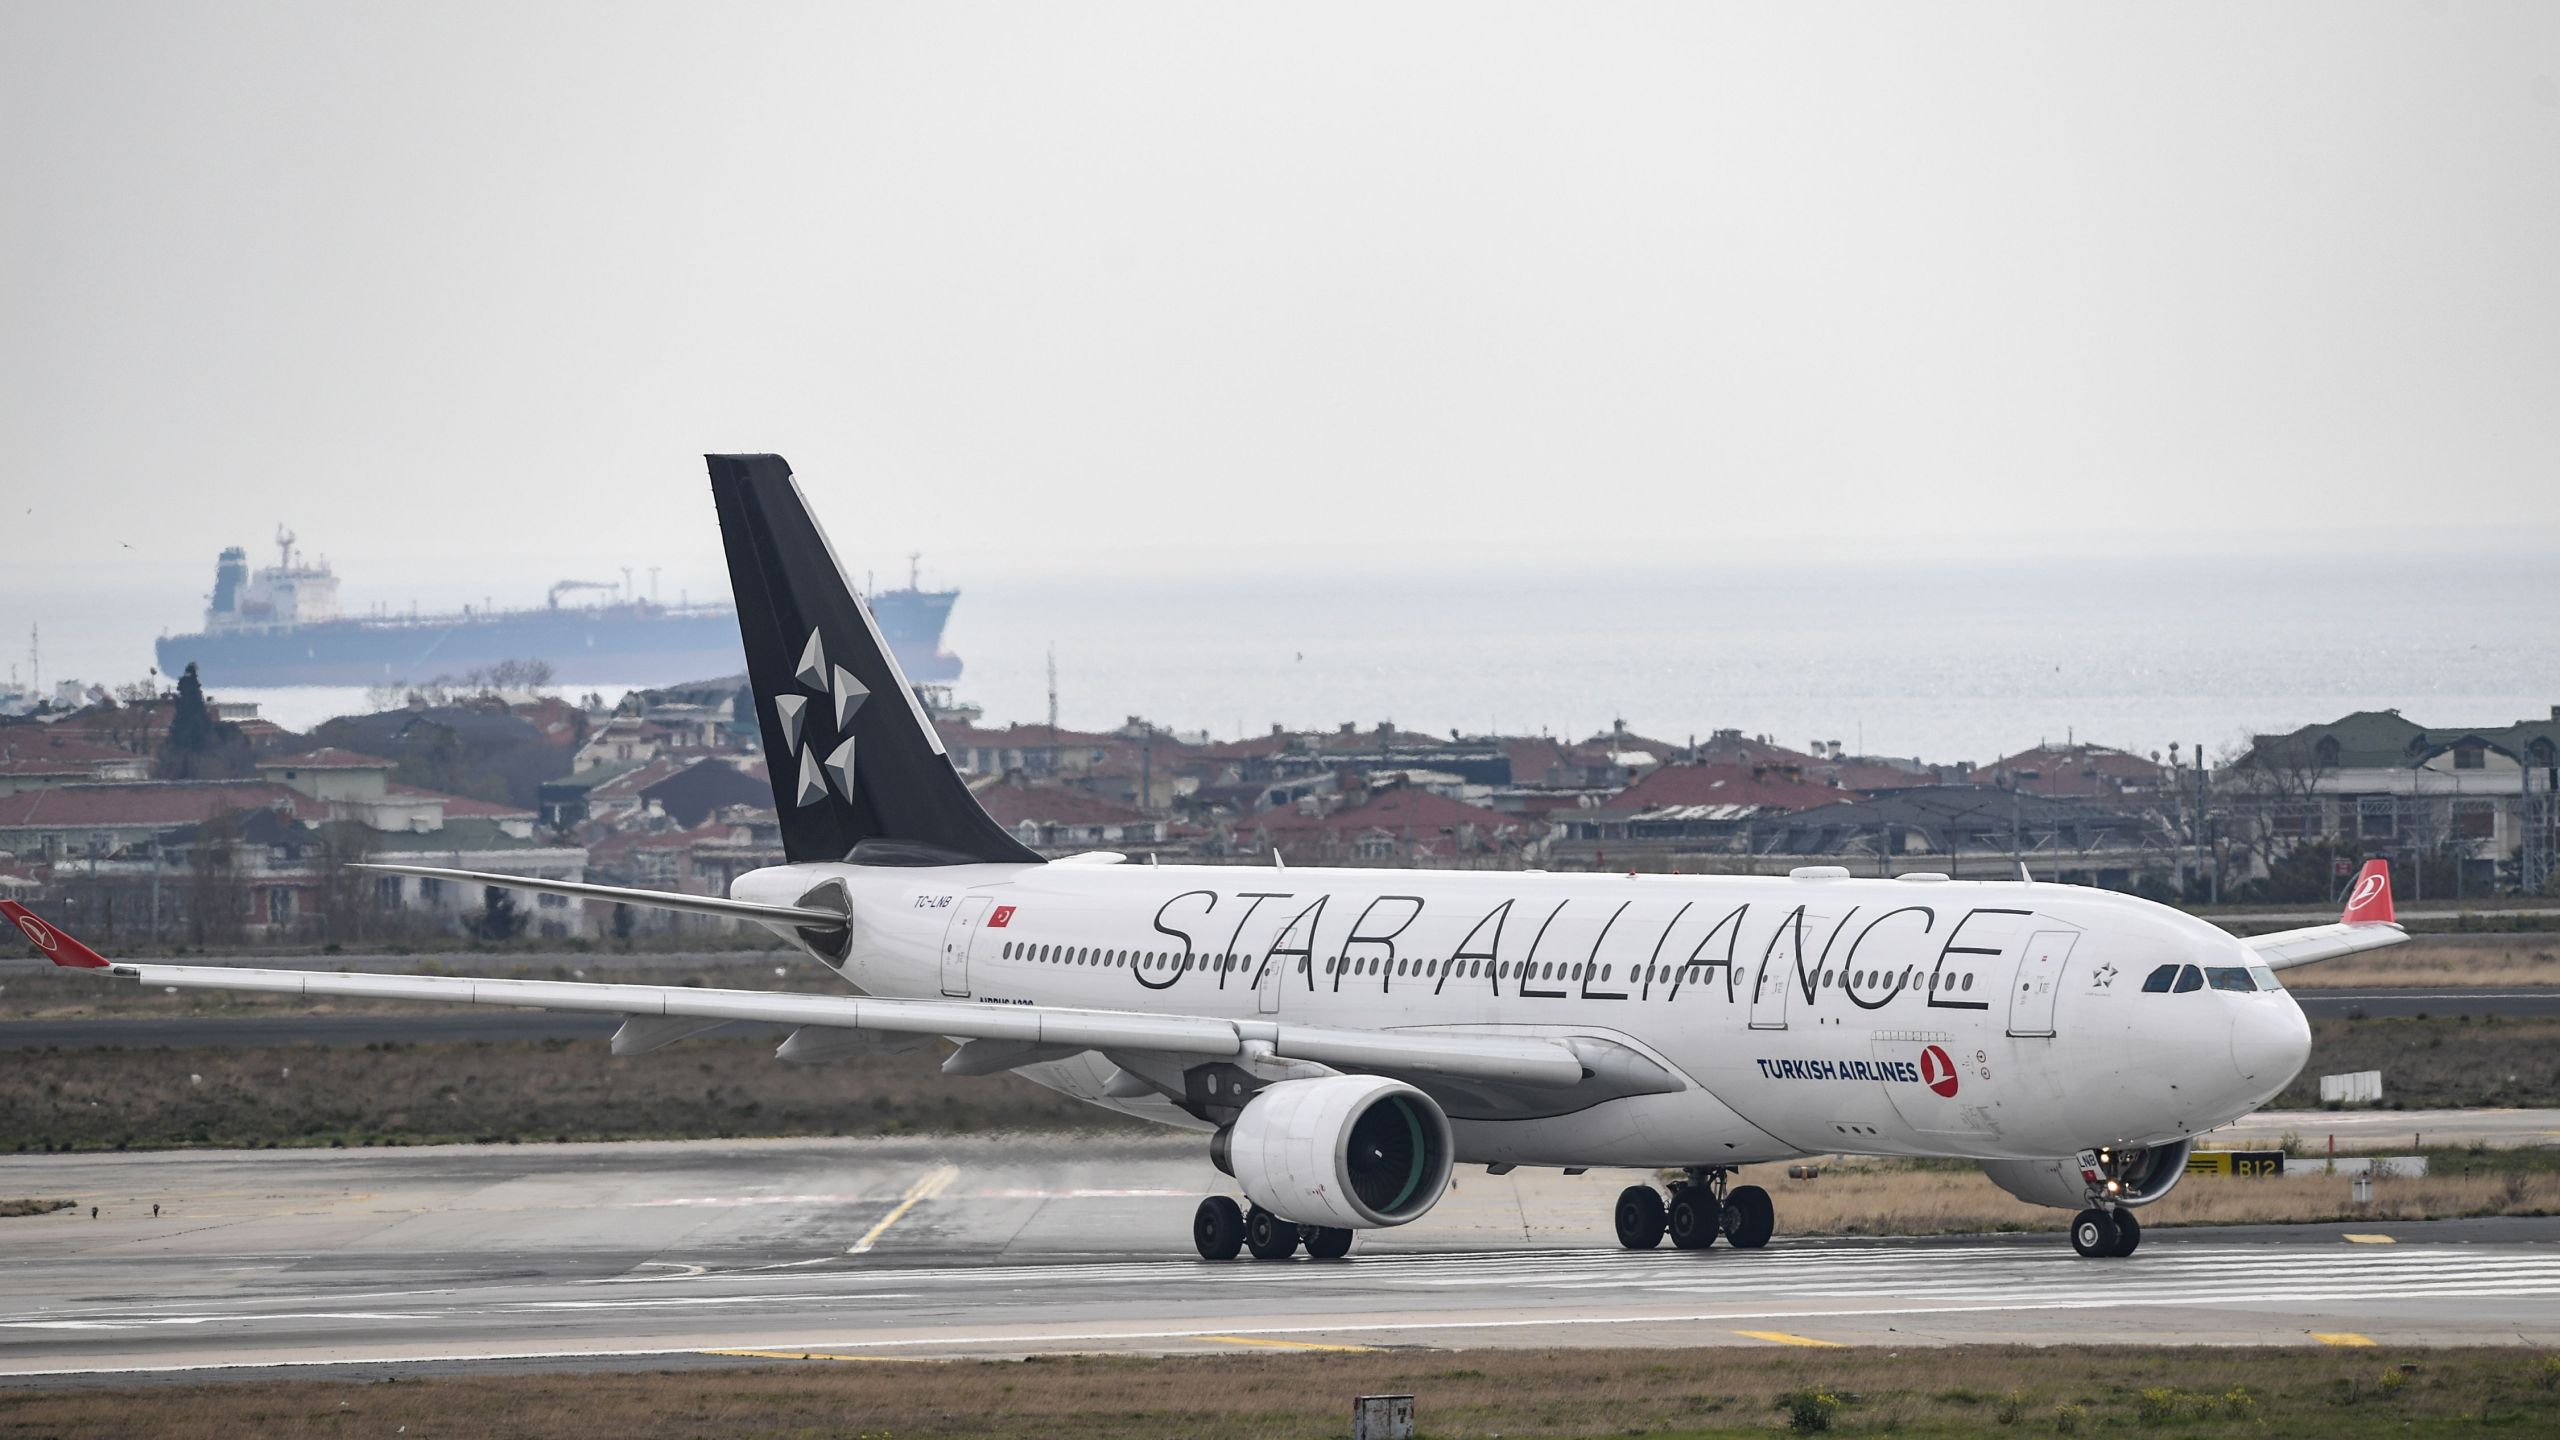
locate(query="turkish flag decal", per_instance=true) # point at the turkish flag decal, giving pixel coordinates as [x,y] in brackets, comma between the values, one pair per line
[1000,919]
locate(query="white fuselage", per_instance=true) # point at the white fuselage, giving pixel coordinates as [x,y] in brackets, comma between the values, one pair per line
[1803,1015]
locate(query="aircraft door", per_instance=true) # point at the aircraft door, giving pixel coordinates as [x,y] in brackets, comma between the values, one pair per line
[1266,995]
[956,939]
[1778,971]
[2041,963]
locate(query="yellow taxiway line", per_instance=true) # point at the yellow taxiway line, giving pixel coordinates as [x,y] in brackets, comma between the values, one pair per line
[1782,1337]
[2341,1337]
[934,1183]
[2368,1239]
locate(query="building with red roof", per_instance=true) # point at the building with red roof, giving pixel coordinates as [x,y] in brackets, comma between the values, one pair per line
[1402,825]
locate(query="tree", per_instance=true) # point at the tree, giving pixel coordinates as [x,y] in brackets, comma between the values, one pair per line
[346,893]
[191,721]
[198,746]
[499,919]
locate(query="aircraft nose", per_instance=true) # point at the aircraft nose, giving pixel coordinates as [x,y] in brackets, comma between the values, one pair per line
[2270,1040]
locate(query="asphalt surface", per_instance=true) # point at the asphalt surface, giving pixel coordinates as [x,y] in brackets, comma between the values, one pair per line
[706,1253]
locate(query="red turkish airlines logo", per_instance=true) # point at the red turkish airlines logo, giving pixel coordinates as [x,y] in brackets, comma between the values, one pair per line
[1000,919]
[1938,1072]
[36,932]
[2366,889]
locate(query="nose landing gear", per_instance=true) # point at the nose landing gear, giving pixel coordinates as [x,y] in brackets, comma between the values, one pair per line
[2105,1234]
[1703,1206]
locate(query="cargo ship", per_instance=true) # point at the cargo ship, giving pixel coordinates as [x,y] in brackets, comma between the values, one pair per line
[281,625]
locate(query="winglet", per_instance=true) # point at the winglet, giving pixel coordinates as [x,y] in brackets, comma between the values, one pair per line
[59,948]
[2370,901]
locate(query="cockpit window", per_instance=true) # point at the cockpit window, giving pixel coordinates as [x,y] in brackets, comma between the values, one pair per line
[2231,977]
[2189,978]
[2265,977]
[2157,982]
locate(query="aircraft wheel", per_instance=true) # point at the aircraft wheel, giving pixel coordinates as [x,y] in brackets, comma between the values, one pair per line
[2093,1234]
[2128,1234]
[1328,1242]
[1268,1236]
[1751,1218]
[1695,1217]
[1217,1228]
[1640,1217]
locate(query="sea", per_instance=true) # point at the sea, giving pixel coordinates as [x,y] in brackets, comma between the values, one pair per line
[1945,661]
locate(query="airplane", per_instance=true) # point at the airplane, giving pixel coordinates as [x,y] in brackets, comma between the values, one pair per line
[1343,1038]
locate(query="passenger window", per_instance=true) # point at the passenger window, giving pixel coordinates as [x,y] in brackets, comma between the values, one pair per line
[2231,977]
[2157,982]
[2189,978]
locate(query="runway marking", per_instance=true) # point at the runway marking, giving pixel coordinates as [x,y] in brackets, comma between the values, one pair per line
[2340,1337]
[2369,1239]
[1782,1337]
[934,1183]
[819,1355]
[1290,1344]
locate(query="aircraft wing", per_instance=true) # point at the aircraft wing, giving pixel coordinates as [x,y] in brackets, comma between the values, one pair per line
[654,899]
[2367,924]
[1502,1058]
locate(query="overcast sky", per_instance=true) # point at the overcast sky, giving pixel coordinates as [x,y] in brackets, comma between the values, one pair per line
[1059,289]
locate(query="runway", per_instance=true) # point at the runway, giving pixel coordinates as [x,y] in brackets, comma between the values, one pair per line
[719,1252]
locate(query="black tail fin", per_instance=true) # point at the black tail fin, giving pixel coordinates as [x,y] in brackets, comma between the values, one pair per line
[858,772]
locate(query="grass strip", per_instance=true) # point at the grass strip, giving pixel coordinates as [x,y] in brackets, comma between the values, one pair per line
[1731,1390]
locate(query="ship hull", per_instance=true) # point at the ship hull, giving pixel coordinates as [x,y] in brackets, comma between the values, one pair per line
[582,646]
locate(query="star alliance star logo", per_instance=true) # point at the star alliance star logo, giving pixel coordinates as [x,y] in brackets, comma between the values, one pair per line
[2105,976]
[833,684]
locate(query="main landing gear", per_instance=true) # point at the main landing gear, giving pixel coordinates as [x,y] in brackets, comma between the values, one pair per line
[1220,1228]
[2105,1234]
[1703,1206]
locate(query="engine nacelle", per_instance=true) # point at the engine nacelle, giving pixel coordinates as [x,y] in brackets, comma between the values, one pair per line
[2140,1176]
[1354,1151]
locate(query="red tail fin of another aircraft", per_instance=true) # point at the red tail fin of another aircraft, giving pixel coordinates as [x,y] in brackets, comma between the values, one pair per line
[59,948]
[2370,900]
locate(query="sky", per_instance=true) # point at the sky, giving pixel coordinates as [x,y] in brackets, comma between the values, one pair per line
[462,292]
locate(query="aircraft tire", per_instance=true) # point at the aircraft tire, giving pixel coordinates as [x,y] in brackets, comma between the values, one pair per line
[1217,1228]
[1327,1242]
[1695,1217]
[1640,1217]
[2093,1234]
[1755,1217]
[1268,1236]
[2128,1234]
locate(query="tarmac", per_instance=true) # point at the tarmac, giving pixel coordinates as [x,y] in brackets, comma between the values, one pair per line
[366,1262]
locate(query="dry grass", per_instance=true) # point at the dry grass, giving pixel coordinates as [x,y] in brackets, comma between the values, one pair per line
[9,1208]
[2437,961]
[537,1091]
[2341,1394]
[2437,1062]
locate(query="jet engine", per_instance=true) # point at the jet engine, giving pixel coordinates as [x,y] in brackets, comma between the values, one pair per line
[1353,1151]
[2139,1176]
